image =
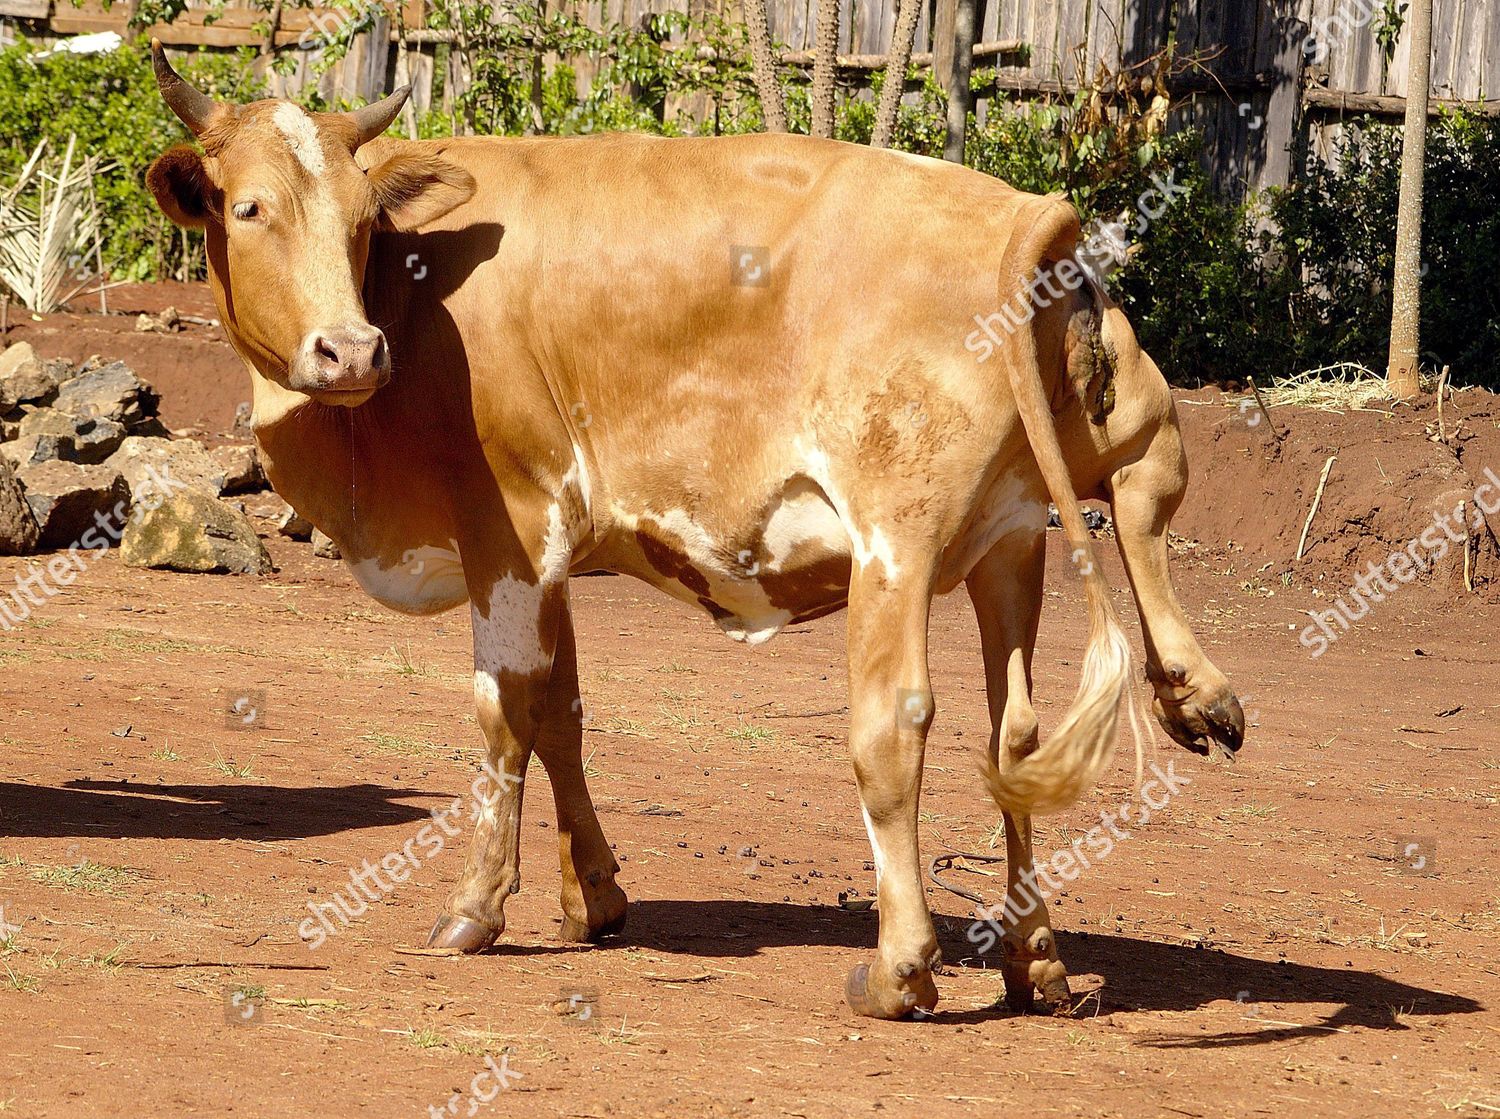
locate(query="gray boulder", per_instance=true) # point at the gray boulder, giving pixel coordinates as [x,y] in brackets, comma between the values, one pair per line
[39,447]
[66,497]
[144,458]
[240,464]
[78,439]
[18,528]
[111,392]
[193,531]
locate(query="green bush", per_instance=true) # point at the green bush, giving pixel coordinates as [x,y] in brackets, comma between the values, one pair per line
[1337,240]
[109,101]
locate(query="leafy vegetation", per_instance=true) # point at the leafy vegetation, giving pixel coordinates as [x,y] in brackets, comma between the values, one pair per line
[1218,289]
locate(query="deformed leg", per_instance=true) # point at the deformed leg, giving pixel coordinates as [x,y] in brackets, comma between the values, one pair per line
[1194,702]
[1006,588]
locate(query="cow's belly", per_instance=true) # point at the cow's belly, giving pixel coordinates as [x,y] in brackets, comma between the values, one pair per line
[791,564]
[424,580]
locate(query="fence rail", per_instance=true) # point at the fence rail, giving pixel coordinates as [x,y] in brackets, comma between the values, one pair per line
[1283,75]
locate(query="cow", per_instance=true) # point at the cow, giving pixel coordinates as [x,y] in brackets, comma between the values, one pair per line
[741,369]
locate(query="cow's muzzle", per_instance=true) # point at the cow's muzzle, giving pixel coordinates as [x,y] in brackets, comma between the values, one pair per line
[341,365]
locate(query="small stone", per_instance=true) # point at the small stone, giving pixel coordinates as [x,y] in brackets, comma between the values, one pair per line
[294,525]
[193,531]
[240,463]
[324,546]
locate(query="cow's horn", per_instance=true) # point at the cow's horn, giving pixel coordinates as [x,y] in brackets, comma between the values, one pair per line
[192,106]
[374,119]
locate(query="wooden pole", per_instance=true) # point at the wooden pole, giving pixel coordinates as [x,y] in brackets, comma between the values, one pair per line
[763,66]
[958,83]
[907,14]
[824,92]
[1406,283]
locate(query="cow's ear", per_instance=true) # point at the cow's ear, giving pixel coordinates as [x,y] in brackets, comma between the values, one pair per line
[416,187]
[184,189]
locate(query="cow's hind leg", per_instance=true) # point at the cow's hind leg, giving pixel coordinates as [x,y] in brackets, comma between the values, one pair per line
[1006,588]
[593,905]
[890,710]
[1194,702]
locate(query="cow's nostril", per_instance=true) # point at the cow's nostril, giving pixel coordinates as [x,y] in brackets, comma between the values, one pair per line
[378,357]
[324,350]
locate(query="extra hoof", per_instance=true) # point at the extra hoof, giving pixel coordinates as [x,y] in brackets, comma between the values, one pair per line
[913,997]
[577,932]
[463,933]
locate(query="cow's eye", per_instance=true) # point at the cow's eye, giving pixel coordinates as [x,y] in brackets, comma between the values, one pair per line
[247,211]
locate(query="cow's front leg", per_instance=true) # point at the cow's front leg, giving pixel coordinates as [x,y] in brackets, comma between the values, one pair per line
[517,620]
[890,710]
[593,905]
[1194,702]
[1006,588]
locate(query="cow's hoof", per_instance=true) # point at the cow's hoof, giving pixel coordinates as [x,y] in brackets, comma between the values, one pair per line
[878,995]
[1210,723]
[463,933]
[574,931]
[1031,967]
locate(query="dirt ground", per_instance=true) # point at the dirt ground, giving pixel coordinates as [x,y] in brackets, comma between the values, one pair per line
[190,761]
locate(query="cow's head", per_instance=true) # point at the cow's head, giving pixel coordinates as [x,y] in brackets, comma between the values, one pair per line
[288,201]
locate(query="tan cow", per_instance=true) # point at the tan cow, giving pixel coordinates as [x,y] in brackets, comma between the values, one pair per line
[735,368]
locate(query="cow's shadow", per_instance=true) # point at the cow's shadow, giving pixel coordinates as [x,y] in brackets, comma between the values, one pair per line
[92,809]
[1138,974]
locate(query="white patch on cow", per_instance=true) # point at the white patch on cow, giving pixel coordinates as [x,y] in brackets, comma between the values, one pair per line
[423,580]
[580,477]
[799,520]
[557,547]
[874,845]
[875,549]
[301,136]
[509,639]
[751,618]
[1007,507]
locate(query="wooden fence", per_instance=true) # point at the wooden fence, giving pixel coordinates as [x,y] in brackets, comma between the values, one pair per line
[1278,79]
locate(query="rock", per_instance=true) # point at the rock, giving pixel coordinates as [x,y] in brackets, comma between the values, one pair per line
[182,460]
[193,531]
[28,450]
[13,357]
[324,546]
[112,392]
[18,528]
[79,440]
[26,379]
[64,497]
[242,427]
[294,525]
[9,429]
[240,463]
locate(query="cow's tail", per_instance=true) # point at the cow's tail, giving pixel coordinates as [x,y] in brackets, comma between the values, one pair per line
[1068,763]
